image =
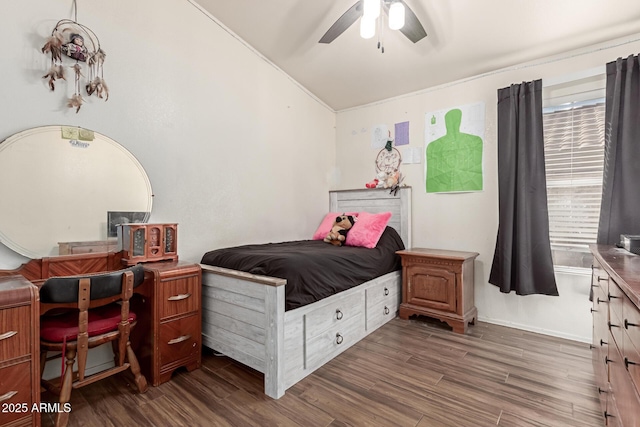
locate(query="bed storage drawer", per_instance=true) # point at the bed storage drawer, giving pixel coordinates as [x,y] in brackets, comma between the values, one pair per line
[335,315]
[336,328]
[382,304]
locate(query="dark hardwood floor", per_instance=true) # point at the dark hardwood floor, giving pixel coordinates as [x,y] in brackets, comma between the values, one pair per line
[407,373]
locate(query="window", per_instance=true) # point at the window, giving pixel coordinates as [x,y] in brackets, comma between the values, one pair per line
[574,159]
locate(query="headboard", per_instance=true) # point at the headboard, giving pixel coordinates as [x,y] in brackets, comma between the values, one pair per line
[377,200]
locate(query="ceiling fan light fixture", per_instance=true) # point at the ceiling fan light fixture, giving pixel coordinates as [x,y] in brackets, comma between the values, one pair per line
[396,16]
[367,27]
[371,8]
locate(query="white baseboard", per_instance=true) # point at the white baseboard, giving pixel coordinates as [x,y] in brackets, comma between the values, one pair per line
[543,331]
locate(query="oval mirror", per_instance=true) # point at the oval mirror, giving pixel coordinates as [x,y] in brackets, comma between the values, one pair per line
[64,184]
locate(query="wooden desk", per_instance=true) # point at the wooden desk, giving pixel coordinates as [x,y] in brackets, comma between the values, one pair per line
[168,305]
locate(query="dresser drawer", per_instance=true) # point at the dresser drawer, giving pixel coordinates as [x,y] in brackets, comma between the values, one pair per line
[631,322]
[15,332]
[178,296]
[616,299]
[335,315]
[15,390]
[179,339]
[625,396]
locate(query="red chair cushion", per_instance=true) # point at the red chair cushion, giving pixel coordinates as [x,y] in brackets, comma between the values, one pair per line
[101,320]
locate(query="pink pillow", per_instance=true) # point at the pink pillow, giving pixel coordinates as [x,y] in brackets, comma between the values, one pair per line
[368,229]
[325,226]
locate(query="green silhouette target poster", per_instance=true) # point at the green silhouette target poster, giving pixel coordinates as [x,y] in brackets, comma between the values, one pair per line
[454,140]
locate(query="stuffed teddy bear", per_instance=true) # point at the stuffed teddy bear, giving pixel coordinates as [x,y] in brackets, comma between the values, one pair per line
[338,233]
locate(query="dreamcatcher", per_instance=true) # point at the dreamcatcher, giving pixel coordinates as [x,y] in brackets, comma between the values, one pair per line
[70,39]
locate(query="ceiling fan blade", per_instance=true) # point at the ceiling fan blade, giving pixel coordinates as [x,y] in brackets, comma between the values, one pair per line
[345,21]
[412,27]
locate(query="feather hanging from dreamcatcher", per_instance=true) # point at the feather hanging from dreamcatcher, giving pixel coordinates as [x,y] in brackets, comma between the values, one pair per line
[72,41]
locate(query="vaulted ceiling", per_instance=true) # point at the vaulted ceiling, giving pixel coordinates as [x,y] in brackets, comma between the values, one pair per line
[465,38]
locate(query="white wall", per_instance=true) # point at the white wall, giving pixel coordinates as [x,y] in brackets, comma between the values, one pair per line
[214,124]
[469,221]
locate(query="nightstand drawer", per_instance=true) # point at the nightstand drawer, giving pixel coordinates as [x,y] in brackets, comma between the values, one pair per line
[15,332]
[179,295]
[179,339]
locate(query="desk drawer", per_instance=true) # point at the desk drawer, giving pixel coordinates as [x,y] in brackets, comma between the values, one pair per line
[15,390]
[179,295]
[179,339]
[15,332]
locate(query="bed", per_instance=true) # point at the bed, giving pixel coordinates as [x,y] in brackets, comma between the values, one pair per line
[248,317]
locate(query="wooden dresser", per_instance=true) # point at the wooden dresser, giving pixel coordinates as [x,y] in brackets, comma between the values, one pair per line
[616,333]
[176,329]
[19,352]
[439,284]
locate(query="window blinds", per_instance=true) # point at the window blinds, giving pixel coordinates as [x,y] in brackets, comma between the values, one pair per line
[574,158]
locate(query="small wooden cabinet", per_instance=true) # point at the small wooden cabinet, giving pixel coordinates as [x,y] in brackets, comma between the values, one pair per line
[439,284]
[19,352]
[176,329]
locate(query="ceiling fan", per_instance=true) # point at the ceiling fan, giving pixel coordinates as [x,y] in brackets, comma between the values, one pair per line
[412,27]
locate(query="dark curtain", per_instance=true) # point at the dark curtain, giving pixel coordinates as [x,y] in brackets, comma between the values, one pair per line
[620,208]
[522,259]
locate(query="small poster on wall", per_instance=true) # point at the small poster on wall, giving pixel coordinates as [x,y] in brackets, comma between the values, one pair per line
[454,140]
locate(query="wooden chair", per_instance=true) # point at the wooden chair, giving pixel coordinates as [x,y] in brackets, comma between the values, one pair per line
[79,313]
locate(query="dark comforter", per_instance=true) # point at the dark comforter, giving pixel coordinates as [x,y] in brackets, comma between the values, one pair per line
[314,269]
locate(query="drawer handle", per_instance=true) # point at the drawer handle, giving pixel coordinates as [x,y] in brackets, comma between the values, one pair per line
[607,415]
[627,324]
[386,310]
[600,391]
[339,338]
[603,279]
[8,395]
[386,291]
[628,362]
[602,300]
[607,360]
[7,335]
[594,311]
[612,297]
[179,297]
[602,342]
[611,325]
[179,339]
[339,315]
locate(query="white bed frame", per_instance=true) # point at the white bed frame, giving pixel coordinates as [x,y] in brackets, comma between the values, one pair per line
[243,315]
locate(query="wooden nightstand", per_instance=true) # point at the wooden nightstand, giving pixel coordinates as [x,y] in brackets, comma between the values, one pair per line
[176,324]
[19,352]
[439,284]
